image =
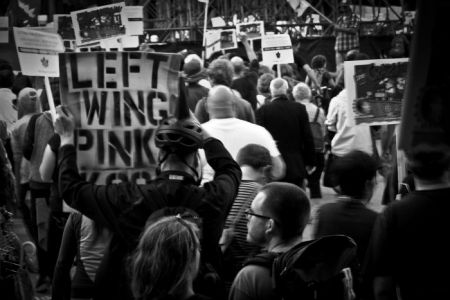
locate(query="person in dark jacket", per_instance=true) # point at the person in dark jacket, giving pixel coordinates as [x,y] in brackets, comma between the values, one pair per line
[288,123]
[124,208]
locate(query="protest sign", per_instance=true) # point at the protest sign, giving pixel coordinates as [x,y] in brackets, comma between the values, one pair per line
[133,20]
[254,30]
[38,52]
[375,90]
[64,27]
[212,42]
[97,23]
[117,108]
[228,39]
[277,49]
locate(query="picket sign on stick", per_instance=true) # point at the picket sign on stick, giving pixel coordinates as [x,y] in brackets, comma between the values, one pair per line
[50,100]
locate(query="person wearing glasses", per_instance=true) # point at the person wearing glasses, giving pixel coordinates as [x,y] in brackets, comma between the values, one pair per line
[275,221]
[124,208]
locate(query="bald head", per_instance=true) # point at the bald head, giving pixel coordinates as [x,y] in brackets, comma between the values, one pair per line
[278,87]
[220,102]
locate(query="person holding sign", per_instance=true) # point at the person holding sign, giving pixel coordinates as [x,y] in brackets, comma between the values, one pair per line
[124,208]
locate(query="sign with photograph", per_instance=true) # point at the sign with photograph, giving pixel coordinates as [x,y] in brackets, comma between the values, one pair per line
[375,90]
[277,49]
[228,39]
[118,99]
[254,30]
[38,52]
[64,27]
[97,23]
[218,40]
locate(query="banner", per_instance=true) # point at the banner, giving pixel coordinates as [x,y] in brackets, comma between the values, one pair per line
[97,23]
[38,52]
[375,89]
[118,100]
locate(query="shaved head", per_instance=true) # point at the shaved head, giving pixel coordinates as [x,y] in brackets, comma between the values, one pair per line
[220,103]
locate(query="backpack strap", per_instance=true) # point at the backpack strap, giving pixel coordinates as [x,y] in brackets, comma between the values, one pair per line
[28,142]
[317,115]
[263,259]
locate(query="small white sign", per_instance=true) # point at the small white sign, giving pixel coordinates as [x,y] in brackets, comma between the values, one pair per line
[277,49]
[133,19]
[38,52]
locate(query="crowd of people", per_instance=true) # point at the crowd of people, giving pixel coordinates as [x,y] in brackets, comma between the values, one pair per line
[238,167]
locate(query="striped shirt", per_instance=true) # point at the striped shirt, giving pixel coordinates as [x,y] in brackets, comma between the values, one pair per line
[239,248]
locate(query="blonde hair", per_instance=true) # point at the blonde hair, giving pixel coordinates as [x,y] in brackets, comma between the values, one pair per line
[165,258]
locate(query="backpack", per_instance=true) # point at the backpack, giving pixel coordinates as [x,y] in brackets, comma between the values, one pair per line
[317,133]
[318,269]
[28,142]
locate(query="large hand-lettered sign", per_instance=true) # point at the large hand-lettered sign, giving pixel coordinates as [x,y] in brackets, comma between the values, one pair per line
[118,99]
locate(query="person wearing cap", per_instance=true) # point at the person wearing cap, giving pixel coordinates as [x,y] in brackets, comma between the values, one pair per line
[124,208]
[27,105]
[193,72]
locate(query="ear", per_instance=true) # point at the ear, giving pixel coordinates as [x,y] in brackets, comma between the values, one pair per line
[270,226]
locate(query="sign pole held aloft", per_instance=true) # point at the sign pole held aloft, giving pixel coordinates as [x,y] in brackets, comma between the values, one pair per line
[205,25]
[51,102]
[279,70]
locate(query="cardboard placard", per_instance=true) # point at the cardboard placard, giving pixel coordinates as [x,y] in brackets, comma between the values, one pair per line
[98,23]
[375,90]
[277,49]
[38,52]
[218,40]
[133,20]
[118,100]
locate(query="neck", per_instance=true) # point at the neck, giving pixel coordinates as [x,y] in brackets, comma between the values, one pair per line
[278,245]
[249,173]
[304,101]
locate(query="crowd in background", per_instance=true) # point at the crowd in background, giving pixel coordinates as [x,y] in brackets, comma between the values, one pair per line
[262,146]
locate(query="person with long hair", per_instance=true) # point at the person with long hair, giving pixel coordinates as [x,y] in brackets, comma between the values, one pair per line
[167,261]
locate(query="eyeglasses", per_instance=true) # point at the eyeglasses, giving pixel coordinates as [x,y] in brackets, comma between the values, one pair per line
[249,212]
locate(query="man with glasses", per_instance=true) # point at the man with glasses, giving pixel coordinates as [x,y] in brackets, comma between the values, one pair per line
[276,220]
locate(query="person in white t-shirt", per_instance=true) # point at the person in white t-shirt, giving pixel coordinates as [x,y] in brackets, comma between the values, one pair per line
[235,133]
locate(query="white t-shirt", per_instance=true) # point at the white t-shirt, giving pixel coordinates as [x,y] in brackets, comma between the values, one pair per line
[348,137]
[235,134]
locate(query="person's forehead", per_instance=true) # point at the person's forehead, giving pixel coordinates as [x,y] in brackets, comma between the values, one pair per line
[257,203]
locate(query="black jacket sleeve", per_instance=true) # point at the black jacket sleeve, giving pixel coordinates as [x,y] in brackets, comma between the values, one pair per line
[67,253]
[307,137]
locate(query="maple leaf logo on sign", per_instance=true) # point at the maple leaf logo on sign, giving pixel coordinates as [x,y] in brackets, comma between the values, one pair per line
[44,62]
[278,54]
